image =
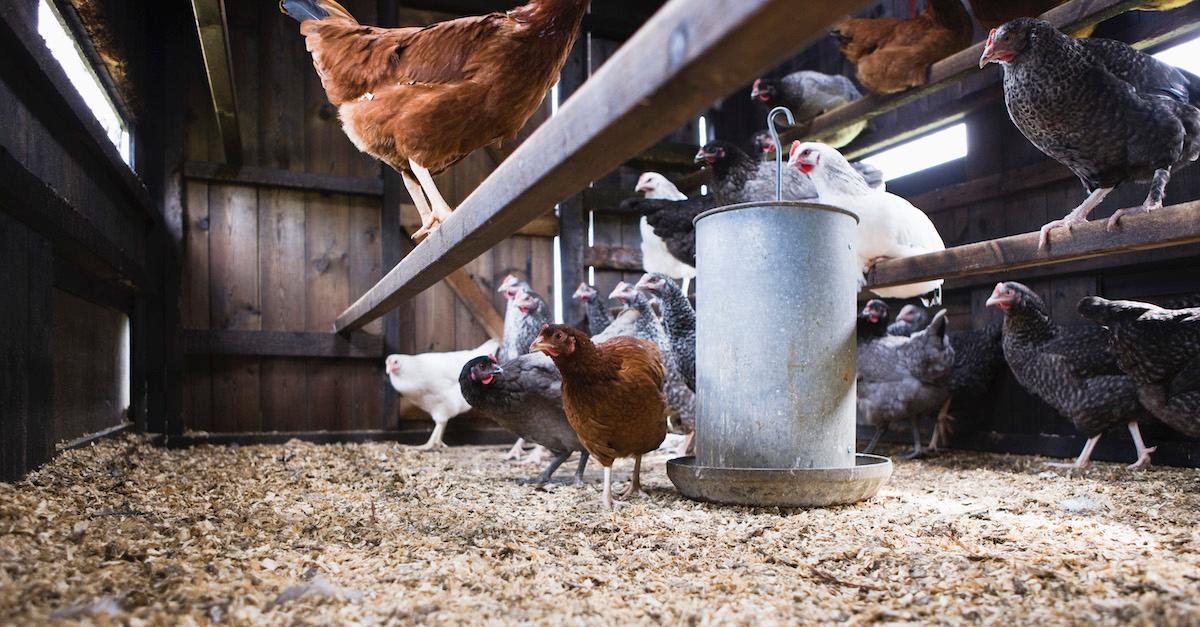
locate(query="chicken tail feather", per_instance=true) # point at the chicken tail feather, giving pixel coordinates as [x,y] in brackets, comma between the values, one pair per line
[304,10]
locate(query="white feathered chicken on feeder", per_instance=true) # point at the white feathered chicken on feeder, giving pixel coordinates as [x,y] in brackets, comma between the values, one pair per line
[889,226]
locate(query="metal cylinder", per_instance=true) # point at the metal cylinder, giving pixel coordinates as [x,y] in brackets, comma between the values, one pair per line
[775,336]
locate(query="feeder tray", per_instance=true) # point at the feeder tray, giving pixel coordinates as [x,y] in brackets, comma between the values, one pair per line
[771,487]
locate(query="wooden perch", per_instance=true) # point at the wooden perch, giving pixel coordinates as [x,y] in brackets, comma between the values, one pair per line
[1176,225]
[689,53]
[218,63]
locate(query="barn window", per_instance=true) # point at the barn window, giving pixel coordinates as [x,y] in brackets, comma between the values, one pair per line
[920,154]
[83,77]
[1185,56]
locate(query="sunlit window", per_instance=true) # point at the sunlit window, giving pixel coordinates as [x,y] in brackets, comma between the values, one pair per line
[702,136]
[931,150]
[62,45]
[1185,56]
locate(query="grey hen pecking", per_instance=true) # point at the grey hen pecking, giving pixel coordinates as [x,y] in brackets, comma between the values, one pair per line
[1071,370]
[899,378]
[1106,111]
[1160,349]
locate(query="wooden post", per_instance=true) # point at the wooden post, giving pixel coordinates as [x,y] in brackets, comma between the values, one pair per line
[26,370]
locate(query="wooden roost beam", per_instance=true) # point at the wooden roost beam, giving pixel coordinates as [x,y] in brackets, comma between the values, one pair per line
[689,53]
[1177,225]
[1070,16]
[218,63]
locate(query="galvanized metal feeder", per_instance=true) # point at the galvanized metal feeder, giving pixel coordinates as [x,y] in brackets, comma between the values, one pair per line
[775,358]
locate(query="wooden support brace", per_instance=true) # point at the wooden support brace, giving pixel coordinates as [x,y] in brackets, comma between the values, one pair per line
[218,63]
[1177,225]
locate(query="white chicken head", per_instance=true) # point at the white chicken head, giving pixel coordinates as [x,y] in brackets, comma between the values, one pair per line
[656,186]
[510,286]
[585,292]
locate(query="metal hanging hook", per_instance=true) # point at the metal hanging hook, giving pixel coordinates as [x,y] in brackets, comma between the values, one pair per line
[778,148]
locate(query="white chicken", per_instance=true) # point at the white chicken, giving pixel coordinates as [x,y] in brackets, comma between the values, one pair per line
[655,255]
[889,226]
[430,381]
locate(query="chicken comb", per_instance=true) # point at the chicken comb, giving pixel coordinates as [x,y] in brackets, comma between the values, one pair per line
[991,36]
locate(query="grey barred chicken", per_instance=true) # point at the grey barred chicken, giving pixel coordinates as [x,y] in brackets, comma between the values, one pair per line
[899,378]
[1160,350]
[521,323]
[525,396]
[1106,111]
[681,401]
[809,94]
[598,315]
[1071,370]
[912,318]
[679,320]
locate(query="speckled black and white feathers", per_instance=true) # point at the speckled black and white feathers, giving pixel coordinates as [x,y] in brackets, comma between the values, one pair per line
[521,327]
[1071,369]
[978,359]
[737,177]
[681,401]
[679,321]
[1160,350]
[1108,112]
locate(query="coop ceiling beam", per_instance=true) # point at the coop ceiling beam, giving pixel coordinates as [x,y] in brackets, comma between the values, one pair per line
[689,54]
[954,68]
[218,64]
[1178,225]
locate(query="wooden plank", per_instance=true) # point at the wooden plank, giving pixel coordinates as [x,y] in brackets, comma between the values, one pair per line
[666,156]
[716,44]
[480,306]
[282,344]
[214,45]
[949,71]
[614,258]
[281,227]
[283,179]
[1177,225]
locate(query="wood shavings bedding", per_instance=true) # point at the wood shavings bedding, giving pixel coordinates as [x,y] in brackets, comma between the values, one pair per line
[126,533]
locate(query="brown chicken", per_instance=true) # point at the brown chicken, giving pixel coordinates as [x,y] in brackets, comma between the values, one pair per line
[893,54]
[421,99]
[612,394]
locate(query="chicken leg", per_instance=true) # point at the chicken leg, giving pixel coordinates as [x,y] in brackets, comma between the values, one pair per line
[418,197]
[917,451]
[435,438]
[1084,457]
[1143,452]
[440,209]
[1154,201]
[874,440]
[635,483]
[516,452]
[606,496]
[583,460]
[1078,215]
[545,475]
[941,430]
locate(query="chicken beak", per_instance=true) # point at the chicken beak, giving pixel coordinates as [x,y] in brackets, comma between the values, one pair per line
[989,54]
[541,346]
[998,297]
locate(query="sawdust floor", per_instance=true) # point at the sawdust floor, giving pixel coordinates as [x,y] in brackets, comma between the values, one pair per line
[298,533]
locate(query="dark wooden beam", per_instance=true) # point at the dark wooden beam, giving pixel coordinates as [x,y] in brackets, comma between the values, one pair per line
[283,179]
[607,200]
[644,93]
[666,157]
[478,303]
[75,280]
[1177,225]
[74,237]
[218,64]
[1068,17]
[619,258]
[282,344]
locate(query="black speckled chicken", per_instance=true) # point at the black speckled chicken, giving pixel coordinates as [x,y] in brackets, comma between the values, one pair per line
[525,397]
[912,318]
[680,399]
[1071,370]
[598,315]
[873,321]
[1106,111]
[679,320]
[1160,349]
[899,378]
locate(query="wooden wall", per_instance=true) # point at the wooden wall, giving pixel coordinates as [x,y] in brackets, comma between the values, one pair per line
[90,345]
[268,259]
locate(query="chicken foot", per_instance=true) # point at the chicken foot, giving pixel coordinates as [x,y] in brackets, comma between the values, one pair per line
[917,452]
[537,456]
[439,208]
[435,438]
[1143,452]
[1154,201]
[516,452]
[1077,216]
[544,476]
[635,483]
[1084,457]
[941,430]
[418,196]
[583,460]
